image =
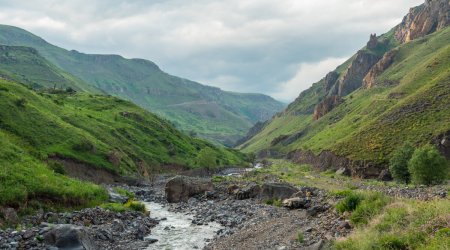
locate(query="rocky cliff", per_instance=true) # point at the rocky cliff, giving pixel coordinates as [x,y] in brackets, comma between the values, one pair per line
[422,20]
[378,69]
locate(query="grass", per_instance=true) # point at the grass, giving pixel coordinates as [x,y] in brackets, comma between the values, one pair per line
[300,237]
[124,192]
[371,123]
[274,202]
[28,183]
[404,224]
[130,205]
[101,131]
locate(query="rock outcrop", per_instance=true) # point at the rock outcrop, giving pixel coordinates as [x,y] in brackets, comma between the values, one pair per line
[422,20]
[181,188]
[328,160]
[370,79]
[329,103]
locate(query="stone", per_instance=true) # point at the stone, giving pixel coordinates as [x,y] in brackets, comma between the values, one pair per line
[65,236]
[316,246]
[10,215]
[115,197]
[277,191]
[250,191]
[151,240]
[181,188]
[345,225]
[343,171]
[385,175]
[295,203]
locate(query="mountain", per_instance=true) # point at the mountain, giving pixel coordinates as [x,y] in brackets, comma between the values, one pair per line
[211,113]
[25,65]
[395,89]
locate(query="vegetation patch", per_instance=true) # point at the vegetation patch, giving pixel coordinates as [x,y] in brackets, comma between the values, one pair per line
[404,224]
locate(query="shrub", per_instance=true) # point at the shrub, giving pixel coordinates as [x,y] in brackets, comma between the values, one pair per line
[136,206]
[206,158]
[300,237]
[115,207]
[56,167]
[349,203]
[274,202]
[370,205]
[427,166]
[398,164]
[21,102]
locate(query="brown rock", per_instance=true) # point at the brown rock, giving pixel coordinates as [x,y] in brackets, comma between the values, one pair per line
[329,103]
[423,20]
[379,68]
[180,188]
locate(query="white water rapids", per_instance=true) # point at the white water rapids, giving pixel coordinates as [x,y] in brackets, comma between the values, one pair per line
[177,232]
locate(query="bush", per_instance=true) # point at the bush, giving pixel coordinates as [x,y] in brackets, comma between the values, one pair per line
[21,102]
[56,167]
[274,202]
[370,205]
[427,166]
[136,206]
[349,203]
[206,158]
[300,237]
[398,164]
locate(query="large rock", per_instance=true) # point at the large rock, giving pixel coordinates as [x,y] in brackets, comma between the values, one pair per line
[180,188]
[69,237]
[296,202]
[10,215]
[277,191]
[252,190]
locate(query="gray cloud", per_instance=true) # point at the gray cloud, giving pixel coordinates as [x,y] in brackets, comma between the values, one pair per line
[273,47]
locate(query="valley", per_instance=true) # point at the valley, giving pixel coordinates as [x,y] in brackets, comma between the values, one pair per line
[98,151]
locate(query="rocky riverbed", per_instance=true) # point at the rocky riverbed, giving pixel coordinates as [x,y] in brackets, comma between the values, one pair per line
[234,215]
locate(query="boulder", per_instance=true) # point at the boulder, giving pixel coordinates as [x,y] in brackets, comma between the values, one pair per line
[69,237]
[180,188]
[250,191]
[295,203]
[385,175]
[115,197]
[277,191]
[10,215]
[343,171]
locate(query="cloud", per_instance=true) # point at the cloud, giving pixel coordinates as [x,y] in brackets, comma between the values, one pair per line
[245,46]
[306,74]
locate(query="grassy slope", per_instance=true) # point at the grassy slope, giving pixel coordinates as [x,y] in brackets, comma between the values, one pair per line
[95,128]
[371,122]
[24,179]
[208,111]
[25,65]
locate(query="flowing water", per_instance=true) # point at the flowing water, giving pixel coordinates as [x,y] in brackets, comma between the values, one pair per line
[177,231]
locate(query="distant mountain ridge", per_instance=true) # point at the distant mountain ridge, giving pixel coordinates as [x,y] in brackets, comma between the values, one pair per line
[395,89]
[211,113]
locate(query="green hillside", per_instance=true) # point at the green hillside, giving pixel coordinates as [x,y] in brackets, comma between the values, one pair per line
[25,65]
[93,129]
[409,102]
[209,112]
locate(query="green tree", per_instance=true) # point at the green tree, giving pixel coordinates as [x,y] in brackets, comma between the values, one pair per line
[427,166]
[206,158]
[398,164]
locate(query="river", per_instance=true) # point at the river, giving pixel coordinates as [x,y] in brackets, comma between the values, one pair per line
[177,231]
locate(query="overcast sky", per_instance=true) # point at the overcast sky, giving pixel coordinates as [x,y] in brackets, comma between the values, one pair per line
[275,47]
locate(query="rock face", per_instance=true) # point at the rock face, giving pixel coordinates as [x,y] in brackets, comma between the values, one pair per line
[328,160]
[351,79]
[329,103]
[277,191]
[370,79]
[180,188]
[422,20]
[69,237]
[358,69]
